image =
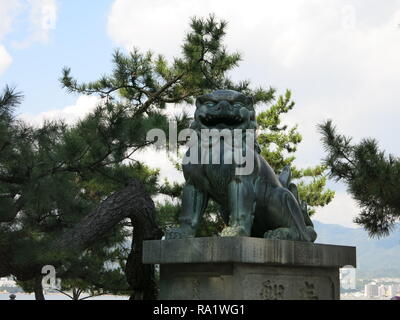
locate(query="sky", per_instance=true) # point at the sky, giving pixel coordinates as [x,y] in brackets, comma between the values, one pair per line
[340,58]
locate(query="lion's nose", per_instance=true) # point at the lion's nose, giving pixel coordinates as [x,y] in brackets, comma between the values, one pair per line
[224,106]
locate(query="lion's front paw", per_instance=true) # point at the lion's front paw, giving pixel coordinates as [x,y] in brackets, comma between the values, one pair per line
[279,234]
[233,232]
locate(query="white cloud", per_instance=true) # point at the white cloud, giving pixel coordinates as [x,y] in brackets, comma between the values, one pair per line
[8,11]
[70,114]
[339,57]
[5,59]
[43,18]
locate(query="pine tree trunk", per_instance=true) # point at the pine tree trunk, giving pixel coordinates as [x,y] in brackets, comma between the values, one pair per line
[141,278]
[133,202]
[76,294]
[39,289]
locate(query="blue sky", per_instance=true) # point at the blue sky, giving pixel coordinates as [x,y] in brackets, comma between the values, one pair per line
[79,41]
[340,58]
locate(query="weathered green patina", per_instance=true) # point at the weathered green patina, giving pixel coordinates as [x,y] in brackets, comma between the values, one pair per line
[258,204]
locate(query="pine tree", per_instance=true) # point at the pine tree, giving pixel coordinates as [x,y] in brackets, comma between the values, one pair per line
[372,178]
[50,179]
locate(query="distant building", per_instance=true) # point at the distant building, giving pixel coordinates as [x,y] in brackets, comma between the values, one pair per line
[348,277]
[382,291]
[371,290]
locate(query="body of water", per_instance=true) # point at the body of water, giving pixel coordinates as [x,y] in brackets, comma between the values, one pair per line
[57,296]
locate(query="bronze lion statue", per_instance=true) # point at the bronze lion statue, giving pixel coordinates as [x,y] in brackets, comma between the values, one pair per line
[258,203]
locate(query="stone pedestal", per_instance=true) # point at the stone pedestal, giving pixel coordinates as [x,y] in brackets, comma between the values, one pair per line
[241,268]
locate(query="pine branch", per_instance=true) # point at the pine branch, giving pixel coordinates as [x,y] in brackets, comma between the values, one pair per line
[9,98]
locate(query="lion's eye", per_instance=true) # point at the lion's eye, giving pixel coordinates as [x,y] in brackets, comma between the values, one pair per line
[238,104]
[210,104]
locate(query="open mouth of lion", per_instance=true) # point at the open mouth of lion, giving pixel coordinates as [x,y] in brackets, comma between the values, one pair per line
[221,121]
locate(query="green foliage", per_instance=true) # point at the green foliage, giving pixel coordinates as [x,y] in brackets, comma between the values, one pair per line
[278,145]
[211,223]
[97,271]
[53,177]
[145,83]
[371,176]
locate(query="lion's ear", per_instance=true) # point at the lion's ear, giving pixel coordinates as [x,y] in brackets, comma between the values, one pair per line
[249,101]
[199,101]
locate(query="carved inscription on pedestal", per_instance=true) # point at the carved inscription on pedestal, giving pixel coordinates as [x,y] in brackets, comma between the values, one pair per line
[308,292]
[272,291]
[285,287]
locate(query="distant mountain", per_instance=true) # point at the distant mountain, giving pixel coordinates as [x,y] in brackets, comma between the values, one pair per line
[375,257]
